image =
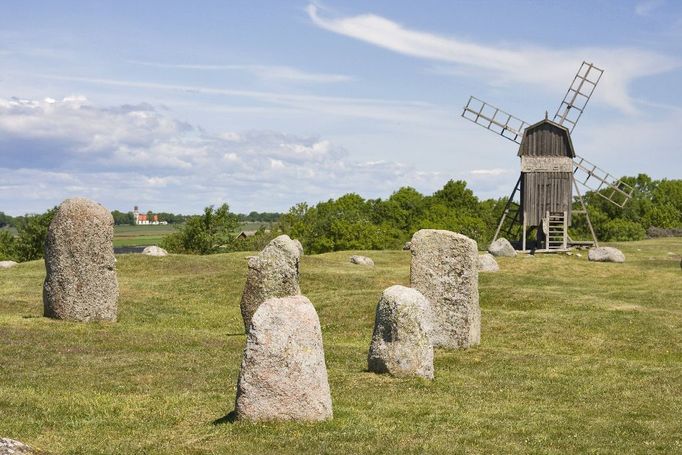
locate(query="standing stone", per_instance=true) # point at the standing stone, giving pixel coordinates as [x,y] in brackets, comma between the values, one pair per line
[400,343]
[299,246]
[605,254]
[81,280]
[361,260]
[273,273]
[444,269]
[12,447]
[487,263]
[283,374]
[502,248]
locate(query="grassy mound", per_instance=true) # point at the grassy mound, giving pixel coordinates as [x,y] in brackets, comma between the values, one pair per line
[575,357]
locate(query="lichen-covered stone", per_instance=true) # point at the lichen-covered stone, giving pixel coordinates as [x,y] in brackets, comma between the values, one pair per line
[299,245]
[154,251]
[444,269]
[273,273]
[605,254]
[502,248]
[400,343]
[283,374]
[81,282]
[487,263]
[12,447]
[361,260]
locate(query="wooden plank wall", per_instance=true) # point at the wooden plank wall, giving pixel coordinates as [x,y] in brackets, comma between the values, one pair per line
[545,192]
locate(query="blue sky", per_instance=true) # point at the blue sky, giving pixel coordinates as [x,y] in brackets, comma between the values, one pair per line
[173,106]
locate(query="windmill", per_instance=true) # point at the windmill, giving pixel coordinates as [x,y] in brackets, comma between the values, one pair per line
[550,169]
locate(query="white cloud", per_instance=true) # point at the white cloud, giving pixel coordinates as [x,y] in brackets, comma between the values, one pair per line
[392,111]
[264,72]
[551,69]
[127,155]
[489,172]
[646,7]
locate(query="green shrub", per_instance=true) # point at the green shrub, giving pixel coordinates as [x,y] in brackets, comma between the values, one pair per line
[623,230]
[7,246]
[204,234]
[663,216]
[32,233]
[256,242]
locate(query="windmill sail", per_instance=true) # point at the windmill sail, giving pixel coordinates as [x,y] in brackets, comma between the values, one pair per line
[601,182]
[577,96]
[494,119]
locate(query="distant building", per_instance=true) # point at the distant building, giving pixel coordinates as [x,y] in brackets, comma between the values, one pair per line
[142,218]
[247,234]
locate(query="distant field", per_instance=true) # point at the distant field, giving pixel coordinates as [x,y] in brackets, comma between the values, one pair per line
[575,357]
[10,229]
[254,225]
[144,235]
[130,235]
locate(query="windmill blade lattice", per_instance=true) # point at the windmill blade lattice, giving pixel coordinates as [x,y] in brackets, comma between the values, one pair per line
[601,182]
[494,119]
[577,96]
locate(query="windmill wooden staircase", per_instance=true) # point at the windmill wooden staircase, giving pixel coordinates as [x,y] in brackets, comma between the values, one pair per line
[557,231]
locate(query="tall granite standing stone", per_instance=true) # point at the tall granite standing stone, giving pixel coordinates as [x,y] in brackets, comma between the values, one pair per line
[283,374]
[444,269]
[400,343]
[273,273]
[81,280]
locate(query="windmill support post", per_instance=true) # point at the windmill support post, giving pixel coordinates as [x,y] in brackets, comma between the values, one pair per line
[507,206]
[523,239]
[587,215]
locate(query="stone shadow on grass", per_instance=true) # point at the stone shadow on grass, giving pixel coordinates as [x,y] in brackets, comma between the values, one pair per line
[231,417]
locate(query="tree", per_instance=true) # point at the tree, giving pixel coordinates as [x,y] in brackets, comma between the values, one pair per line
[5,220]
[456,195]
[7,246]
[122,217]
[32,233]
[619,230]
[401,210]
[204,234]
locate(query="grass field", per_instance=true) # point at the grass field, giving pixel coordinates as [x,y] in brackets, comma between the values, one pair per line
[576,357]
[140,235]
[145,235]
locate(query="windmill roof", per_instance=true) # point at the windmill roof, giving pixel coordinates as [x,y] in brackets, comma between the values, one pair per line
[547,121]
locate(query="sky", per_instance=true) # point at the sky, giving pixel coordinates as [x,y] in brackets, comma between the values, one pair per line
[176,105]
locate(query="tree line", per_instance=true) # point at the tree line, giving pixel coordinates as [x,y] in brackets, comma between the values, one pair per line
[352,222]
[176,218]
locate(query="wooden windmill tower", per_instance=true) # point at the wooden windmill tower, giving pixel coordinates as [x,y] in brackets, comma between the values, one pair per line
[550,169]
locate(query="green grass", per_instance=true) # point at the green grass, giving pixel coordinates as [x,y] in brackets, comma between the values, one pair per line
[576,357]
